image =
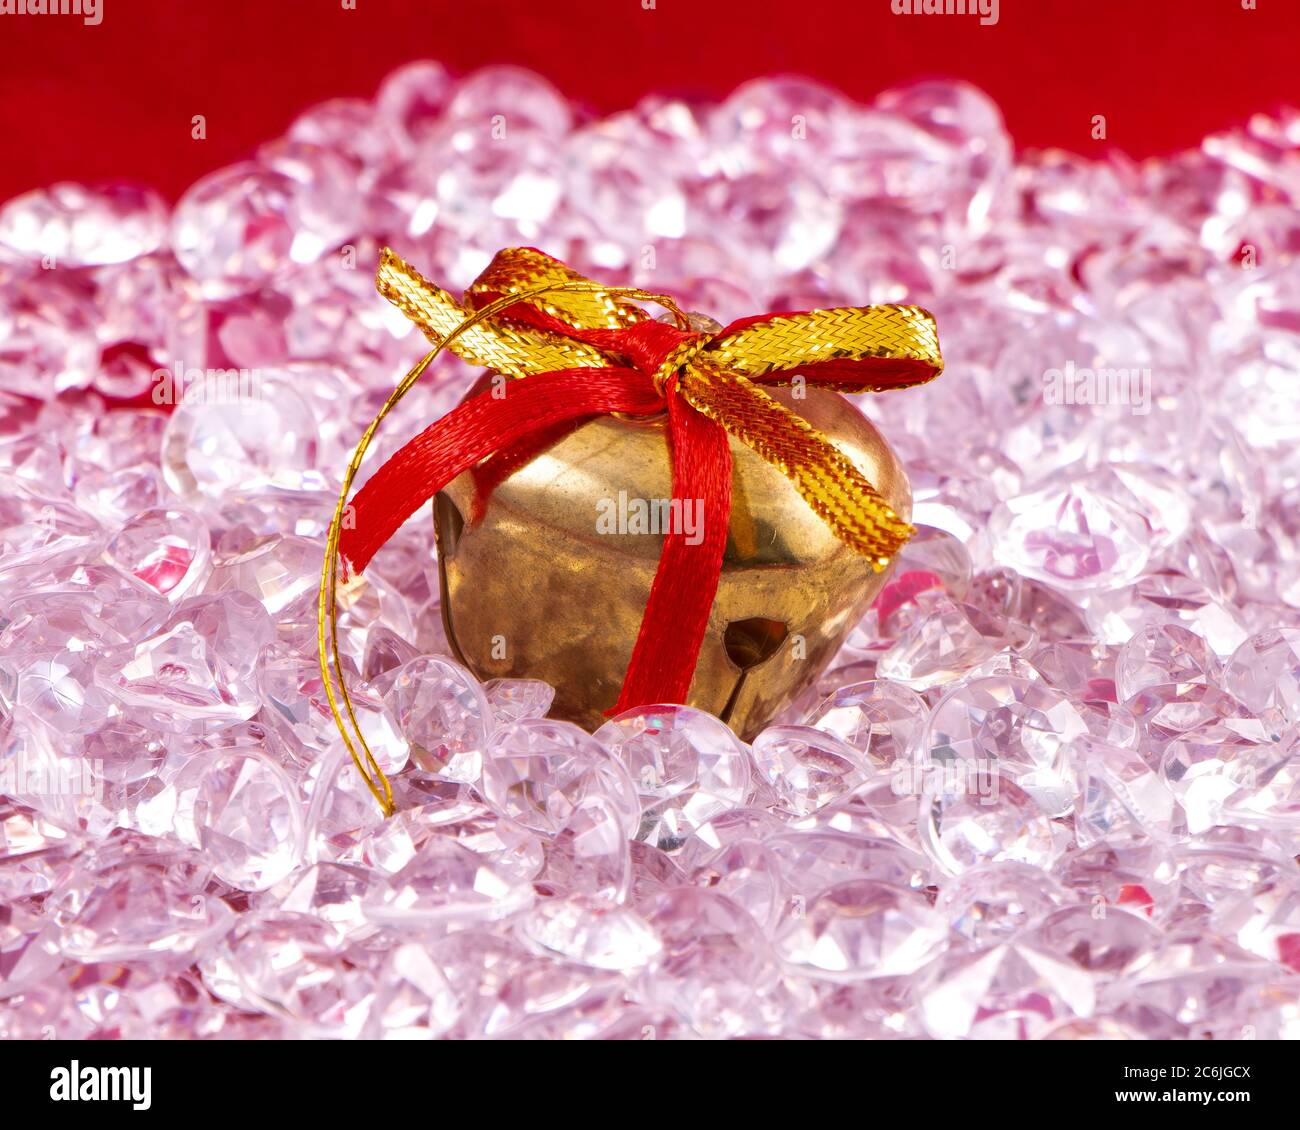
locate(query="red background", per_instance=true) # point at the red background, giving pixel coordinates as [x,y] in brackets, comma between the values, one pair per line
[116,100]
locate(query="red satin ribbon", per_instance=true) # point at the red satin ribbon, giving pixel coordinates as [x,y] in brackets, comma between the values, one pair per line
[492,435]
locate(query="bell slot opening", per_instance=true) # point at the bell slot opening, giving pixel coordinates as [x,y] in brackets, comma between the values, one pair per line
[749,644]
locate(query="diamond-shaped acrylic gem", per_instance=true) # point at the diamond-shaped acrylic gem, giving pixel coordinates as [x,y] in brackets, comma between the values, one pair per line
[445,882]
[686,765]
[881,720]
[1071,536]
[987,817]
[714,965]
[537,771]
[166,549]
[250,820]
[860,930]
[1264,674]
[198,671]
[442,711]
[589,855]
[595,934]
[807,768]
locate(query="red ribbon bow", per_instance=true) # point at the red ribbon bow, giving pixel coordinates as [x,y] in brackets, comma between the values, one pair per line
[640,374]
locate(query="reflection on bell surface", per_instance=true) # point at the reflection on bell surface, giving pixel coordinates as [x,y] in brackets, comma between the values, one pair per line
[536,585]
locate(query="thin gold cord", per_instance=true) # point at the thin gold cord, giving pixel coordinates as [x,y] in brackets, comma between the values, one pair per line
[327,604]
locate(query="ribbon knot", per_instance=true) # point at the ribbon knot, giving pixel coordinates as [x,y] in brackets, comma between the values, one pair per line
[575,349]
[676,359]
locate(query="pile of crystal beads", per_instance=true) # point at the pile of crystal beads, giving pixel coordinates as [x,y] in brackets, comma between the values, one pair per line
[1050,789]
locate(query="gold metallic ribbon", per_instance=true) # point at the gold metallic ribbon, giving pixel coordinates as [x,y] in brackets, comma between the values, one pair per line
[715,380]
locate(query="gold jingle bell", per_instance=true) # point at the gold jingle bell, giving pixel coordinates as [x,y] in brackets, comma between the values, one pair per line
[548,576]
[562,549]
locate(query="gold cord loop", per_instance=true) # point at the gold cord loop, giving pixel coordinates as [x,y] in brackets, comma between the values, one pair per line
[327,640]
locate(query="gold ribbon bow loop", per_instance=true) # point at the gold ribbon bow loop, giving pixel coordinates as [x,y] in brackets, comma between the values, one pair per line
[846,333]
[515,351]
[716,378]
[518,270]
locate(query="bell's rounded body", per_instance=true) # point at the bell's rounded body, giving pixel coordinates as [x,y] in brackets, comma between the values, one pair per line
[547,576]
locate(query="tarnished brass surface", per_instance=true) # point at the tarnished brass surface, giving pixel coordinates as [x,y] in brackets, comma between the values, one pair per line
[533,590]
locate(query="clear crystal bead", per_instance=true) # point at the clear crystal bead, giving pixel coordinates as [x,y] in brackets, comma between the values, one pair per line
[686,765]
